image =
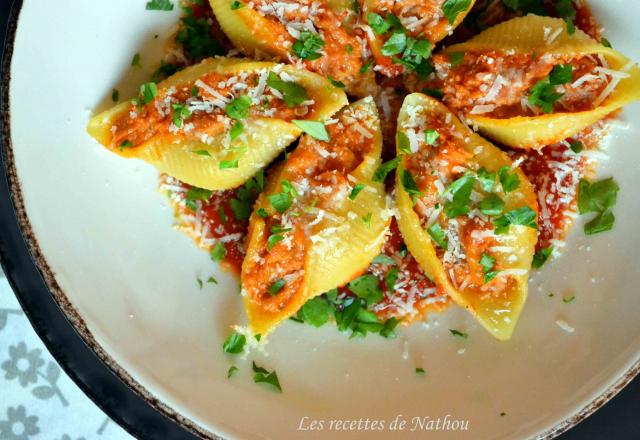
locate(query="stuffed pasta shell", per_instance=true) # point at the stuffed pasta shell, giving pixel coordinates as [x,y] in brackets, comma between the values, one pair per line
[467,213]
[215,124]
[320,35]
[319,222]
[402,34]
[531,82]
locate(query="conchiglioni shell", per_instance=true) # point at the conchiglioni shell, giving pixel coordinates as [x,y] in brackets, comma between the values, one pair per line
[498,314]
[254,35]
[268,137]
[342,253]
[527,35]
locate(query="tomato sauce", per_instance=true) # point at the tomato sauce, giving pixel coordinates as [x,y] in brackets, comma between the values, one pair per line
[209,219]
[554,171]
[205,101]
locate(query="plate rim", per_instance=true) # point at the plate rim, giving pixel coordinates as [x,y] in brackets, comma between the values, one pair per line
[102,379]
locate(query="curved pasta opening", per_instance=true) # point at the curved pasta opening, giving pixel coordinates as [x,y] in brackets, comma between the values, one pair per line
[307,234]
[467,213]
[215,124]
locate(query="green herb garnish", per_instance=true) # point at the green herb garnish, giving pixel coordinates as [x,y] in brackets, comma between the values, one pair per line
[234,344]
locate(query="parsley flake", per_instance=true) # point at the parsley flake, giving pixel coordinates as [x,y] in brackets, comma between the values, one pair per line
[293,93]
[541,257]
[356,190]
[276,287]
[307,47]
[159,5]
[315,129]
[218,252]
[234,344]
[453,8]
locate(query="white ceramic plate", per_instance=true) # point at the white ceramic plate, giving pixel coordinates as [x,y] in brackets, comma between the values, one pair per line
[106,235]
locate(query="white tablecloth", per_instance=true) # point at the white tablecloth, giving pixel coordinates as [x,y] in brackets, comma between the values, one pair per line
[37,400]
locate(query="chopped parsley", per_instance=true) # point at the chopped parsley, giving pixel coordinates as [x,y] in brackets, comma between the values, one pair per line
[509,180]
[316,311]
[576,146]
[367,287]
[195,193]
[453,8]
[487,179]
[148,92]
[384,169]
[390,278]
[356,190]
[260,375]
[200,283]
[438,235]
[601,223]
[524,216]
[395,44]
[276,287]
[383,259]
[218,252]
[606,43]
[541,257]
[307,47]
[180,114]
[544,95]
[365,67]
[232,370]
[293,93]
[461,191]
[273,240]
[235,5]
[491,205]
[195,37]
[431,136]
[261,212]
[415,56]
[336,83]
[229,164]
[409,185]
[458,333]
[164,71]
[378,24]
[135,61]
[566,10]
[561,74]
[420,371]
[315,129]
[569,299]
[234,344]
[599,197]
[212,280]
[367,219]
[283,200]
[403,142]
[115,95]
[246,195]
[159,5]
[236,130]
[239,107]
[488,262]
